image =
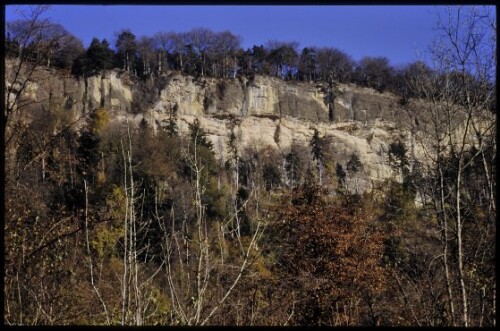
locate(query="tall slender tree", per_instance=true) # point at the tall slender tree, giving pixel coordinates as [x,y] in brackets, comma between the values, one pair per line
[127,49]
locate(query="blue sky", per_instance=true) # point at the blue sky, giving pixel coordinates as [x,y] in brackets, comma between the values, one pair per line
[401,33]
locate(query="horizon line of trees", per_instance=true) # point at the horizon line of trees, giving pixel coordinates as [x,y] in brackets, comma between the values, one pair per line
[202,52]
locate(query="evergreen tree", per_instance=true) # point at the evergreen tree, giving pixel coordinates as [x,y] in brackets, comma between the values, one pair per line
[98,57]
[88,154]
[199,136]
[271,176]
[317,151]
[170,127]
[317,147]
[292,168]
[307,64]
[341,175]
[354,164]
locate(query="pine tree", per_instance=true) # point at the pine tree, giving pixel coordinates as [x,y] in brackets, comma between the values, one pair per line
[199,136]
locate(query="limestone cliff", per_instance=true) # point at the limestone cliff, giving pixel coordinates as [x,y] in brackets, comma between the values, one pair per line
[259,110]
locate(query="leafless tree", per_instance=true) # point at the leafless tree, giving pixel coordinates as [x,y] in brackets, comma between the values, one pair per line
[195,255]
[38,39]
[145,48]
[333,64]
[455,133]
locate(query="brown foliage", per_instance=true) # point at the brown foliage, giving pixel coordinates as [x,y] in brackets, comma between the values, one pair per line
[330,254]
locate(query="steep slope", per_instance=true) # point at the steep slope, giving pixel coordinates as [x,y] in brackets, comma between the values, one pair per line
[260,111]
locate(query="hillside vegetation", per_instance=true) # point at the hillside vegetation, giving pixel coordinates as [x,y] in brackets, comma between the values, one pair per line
[207,185]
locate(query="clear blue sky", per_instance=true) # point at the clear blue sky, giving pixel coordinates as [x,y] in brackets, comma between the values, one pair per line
[400,33]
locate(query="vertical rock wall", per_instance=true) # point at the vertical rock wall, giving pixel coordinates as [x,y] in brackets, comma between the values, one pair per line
[262,111]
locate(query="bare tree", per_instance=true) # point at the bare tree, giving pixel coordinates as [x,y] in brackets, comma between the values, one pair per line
[223,48]
[455,130]
[374,72]
[194,254]
[145,48]
[283,55]
[38,40]
[164,44]
[333,64]
[35,46]
[91,263]
[134,291]
[20,70]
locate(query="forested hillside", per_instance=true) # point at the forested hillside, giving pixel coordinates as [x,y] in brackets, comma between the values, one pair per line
[178,179]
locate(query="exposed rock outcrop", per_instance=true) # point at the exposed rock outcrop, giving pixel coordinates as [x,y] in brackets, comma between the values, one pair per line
[261,110]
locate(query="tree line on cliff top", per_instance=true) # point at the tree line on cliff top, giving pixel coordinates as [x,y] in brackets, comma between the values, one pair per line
[202,52]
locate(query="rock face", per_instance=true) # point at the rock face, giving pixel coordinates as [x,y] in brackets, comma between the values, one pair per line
[108,91]
[271,97]
[370,143]
[264,111]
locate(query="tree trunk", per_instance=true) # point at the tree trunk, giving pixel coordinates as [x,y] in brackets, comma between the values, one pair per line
[159,62]
[459,249]
[124,282]
[444,245]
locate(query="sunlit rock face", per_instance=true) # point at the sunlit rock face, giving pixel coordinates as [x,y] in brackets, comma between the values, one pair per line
[265,111]
[108,91]
[260,111]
